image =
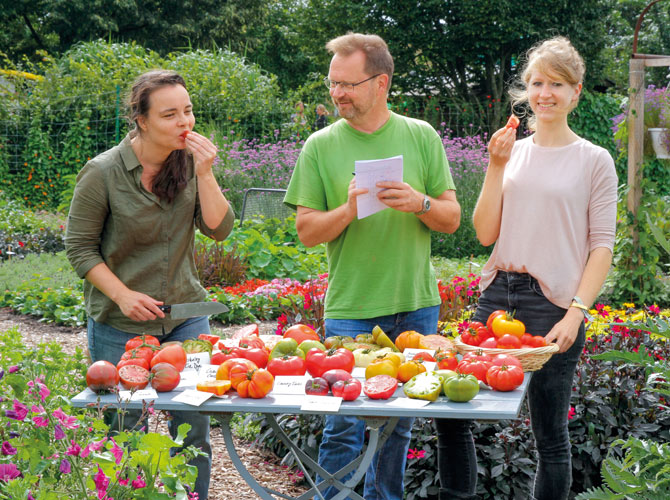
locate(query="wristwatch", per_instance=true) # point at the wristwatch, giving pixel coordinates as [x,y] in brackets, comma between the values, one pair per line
[579,304]
[425,206]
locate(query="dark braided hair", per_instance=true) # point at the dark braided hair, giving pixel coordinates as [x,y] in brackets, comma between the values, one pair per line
[172,178]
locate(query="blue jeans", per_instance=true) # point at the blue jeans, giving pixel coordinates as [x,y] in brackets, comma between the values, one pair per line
[105,342]
[343,436]
[548,393]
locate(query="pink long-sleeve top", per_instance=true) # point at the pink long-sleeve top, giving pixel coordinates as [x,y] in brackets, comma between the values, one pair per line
[558,205]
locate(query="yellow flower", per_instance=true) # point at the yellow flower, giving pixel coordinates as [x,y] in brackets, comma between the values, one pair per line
[628,305]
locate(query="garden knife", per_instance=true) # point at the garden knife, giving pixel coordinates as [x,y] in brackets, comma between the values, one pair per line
[193,309]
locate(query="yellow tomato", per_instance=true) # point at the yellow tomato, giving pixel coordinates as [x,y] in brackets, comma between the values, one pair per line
[381,367]
[409,339]
[408,369]
[506,324]
[218,387]
[397,357]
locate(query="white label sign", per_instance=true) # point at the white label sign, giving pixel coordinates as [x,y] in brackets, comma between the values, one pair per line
[195,361]
[208,371]
[289,384]
[144,394]
[321,404]
[192,397]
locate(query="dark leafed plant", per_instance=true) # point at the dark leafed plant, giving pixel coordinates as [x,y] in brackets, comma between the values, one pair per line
[218,267]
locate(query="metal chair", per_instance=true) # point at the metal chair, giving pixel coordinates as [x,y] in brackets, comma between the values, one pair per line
[264,202]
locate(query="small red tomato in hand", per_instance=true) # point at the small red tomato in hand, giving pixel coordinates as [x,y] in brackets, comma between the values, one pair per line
[184,134]
[513,122]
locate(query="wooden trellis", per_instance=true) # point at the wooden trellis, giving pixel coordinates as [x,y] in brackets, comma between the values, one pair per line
[635,121]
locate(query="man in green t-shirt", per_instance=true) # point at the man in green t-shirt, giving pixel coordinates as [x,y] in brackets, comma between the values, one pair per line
[379,266]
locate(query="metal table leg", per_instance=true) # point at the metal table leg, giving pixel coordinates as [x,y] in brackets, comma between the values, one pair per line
[307,464]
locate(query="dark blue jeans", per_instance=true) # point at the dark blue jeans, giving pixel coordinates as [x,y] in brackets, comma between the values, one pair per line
[344,436]
[108,343]
[548,398]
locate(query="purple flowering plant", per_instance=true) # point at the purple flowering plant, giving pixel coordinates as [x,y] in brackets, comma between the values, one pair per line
[49,450]
[656,115]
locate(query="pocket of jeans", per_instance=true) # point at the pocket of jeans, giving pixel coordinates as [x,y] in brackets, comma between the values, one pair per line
[535,287]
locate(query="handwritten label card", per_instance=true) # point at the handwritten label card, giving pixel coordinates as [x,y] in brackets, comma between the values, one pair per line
[188,380]
[208,372]
[289,384]
[321,404]
[144,394]
[192,397]
[368,174]
[195,361]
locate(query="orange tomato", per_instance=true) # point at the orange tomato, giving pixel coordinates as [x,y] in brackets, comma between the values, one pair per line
[218,387]
[223,372]
[381,366]
[408,369]
[492,316]
[409,339]
[256,384]
[446,360]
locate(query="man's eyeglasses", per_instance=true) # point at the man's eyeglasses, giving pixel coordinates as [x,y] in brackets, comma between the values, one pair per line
[346,87]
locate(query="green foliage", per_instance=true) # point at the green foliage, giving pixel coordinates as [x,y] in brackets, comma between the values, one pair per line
[638,273]
[592,118]
[446,269]
[272,250]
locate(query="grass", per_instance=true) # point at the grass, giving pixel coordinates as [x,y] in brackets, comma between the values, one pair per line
[53,270]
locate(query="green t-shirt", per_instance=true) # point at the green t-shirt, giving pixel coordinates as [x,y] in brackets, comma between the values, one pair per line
[379,265]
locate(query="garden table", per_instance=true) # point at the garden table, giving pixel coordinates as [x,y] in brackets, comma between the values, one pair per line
[487,405]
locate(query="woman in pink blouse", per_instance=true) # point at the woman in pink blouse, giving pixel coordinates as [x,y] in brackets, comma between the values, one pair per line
[549,204]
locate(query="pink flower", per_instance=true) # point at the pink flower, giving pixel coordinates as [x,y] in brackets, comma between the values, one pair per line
[9,472]
[19,412]
[571,413]
[414,453]
[41,421]
[138,483]
[67,421]
[101,483]
[8,449]
[654,309]
[42,389]
[74,450]
[117,452]
[94,446]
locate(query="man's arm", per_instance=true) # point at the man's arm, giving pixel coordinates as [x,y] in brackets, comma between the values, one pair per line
[318,226]
[444,214]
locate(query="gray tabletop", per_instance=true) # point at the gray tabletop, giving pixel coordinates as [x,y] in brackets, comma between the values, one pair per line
[487,405]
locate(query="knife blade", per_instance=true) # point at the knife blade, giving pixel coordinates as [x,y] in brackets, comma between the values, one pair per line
[193,309]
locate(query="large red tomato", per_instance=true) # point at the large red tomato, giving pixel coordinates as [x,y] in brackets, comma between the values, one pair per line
[508,341]
[141,362]
[173,354]
[478,355]
[506,359]
[224,354]
[102,376]
[301,332]
[258,355]
[287,365]
[504,378]
[164,377]
[446,360]
[134,377]
[251,341]
[348,389]
[319,361]
[257,384]
[146,353]
[474,367]
[380,387]
[142,341]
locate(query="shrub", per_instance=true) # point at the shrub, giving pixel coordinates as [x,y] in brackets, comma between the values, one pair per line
[218,267]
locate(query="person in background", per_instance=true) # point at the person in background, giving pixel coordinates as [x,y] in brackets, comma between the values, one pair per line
[321,117]
[548,202]
[379,266]
[131,230]
[298,117]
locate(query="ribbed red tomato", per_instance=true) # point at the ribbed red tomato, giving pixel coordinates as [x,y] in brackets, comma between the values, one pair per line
[142,341]
[257,384]
[164,377]
[504,378]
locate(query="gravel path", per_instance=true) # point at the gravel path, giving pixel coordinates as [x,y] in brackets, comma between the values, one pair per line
[226,483]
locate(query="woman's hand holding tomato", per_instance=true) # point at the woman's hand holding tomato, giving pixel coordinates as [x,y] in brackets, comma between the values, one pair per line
[500,147]
[203,150]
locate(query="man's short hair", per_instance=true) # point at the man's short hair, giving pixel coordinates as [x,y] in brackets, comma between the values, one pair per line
[377,56]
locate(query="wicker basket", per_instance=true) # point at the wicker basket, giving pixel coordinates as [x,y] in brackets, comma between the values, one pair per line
[532,358]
